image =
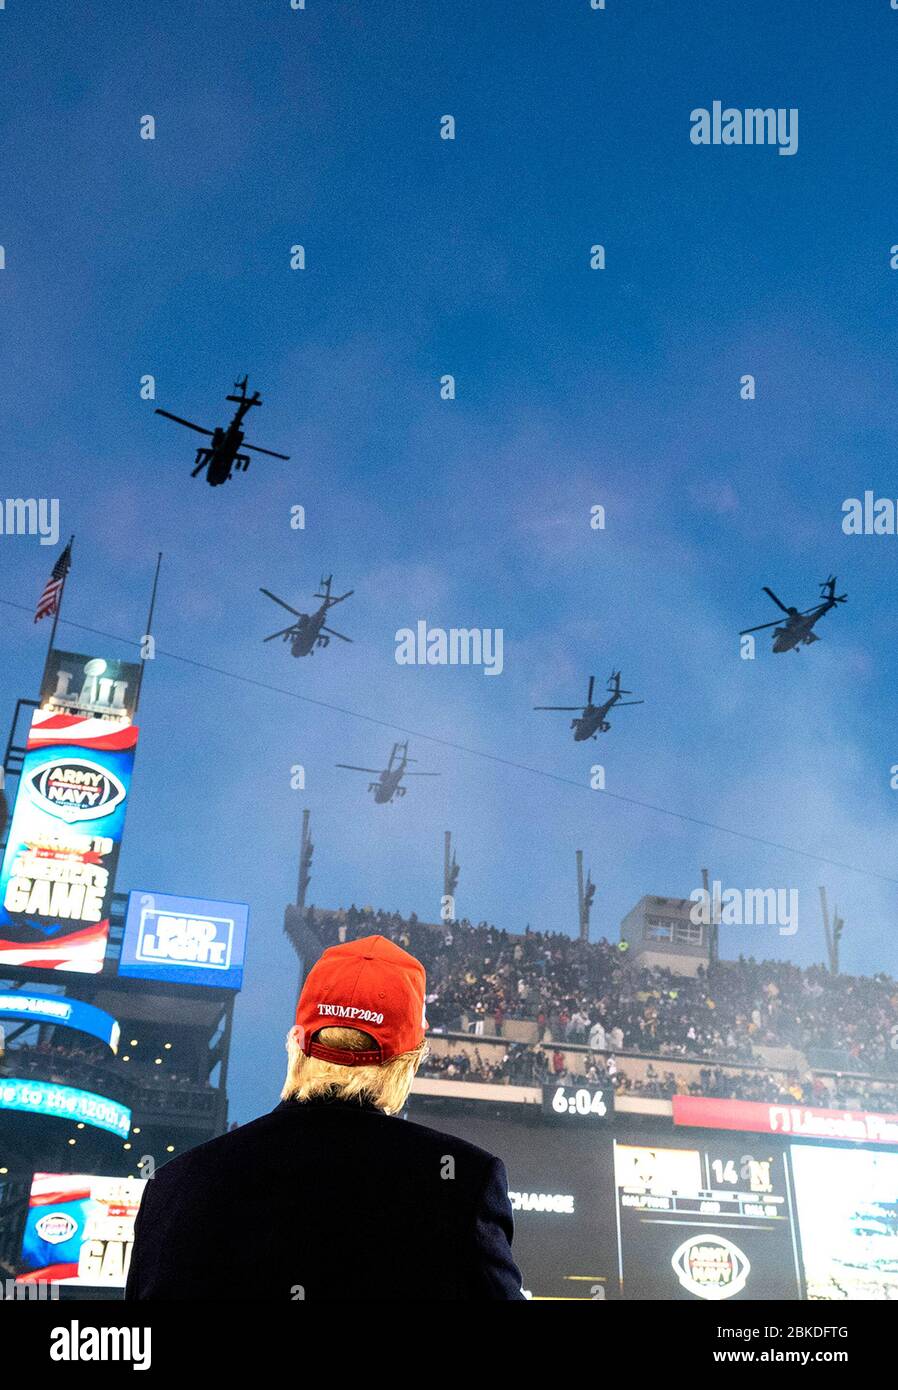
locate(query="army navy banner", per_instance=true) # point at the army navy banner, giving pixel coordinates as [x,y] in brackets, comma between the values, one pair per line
[58,871]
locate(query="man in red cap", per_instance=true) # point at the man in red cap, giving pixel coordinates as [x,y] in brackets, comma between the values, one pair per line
[329,1197]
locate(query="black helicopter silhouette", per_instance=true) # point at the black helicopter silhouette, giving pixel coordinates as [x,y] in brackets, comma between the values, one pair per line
[797,629]
[591,720]
[389,778]
[224,455]
[309,632]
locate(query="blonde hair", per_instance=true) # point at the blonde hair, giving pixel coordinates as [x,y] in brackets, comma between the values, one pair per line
[386,1086]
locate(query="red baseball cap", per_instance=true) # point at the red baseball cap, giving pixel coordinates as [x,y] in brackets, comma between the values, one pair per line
[369,984]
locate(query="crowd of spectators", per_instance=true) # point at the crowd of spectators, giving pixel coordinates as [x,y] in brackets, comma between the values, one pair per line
[787,1088]
[94,1068]
[594,994]
[532,1065]
[64,1065]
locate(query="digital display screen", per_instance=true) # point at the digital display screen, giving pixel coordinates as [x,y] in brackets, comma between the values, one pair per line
[80,1229]
[847,1203]
[559,1185]
[58,871]
[193,941]
[643,1212]
[78,684]
[64,1013]
[64,1102]
[710,1222]
[580,1103]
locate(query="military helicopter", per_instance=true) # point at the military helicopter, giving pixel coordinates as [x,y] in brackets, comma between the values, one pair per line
[389,779]
[224,453]
[310,632]
[797,629]
[591,721]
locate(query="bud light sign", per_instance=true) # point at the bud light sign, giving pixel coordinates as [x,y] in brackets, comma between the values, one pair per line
[188,940]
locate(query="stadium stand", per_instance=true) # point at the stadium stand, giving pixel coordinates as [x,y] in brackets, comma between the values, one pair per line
[520,1010]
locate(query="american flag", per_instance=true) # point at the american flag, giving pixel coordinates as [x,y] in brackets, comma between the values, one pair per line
[48,603]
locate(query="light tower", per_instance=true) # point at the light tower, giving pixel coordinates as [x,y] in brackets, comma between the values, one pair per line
[585,894]
[451,871]
[833,933]
[296,927]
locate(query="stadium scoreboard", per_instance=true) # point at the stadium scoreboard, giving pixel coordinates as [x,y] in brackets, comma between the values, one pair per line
[589,1104]
[639,1210]
[710,1221]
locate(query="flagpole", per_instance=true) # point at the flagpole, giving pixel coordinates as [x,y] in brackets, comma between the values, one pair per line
[58,608]
[149,630]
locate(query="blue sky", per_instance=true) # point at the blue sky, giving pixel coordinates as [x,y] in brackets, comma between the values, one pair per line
[574,388]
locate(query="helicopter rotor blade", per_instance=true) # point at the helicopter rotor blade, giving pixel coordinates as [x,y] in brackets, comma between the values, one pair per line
[622,704]
[570,709]
[422,774]
[592,681]
[331,599]
[254,448]
[828,591]
[760,627]
[178,421]
[352,767]
[274,597]
[778,603]
[203,463]
[330,632]
[278,634]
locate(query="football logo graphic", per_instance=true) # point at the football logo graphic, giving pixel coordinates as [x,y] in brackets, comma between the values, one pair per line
[711,1267]
[75,789]
[56,1227]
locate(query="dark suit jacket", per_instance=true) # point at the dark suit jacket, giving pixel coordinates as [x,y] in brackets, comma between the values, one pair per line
[327,1200]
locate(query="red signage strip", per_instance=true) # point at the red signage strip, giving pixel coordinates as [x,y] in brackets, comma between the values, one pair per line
[795,1121]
